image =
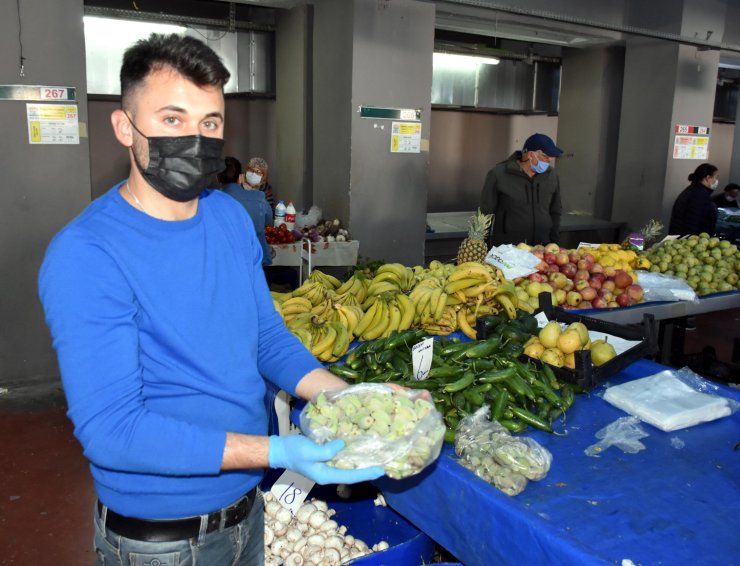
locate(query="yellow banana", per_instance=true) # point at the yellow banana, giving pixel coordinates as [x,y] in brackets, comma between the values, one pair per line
[441,304]
[460,284]
[298,301]
[434,300]
[462,324]
[395,319]
[299,320]
[367,319]
[389,276]
[408,311]
[454,300]
[303,335]
[346,286]
[476,290]
[397,269]
[505,301]
[342,340]
[277,306]
[382,287]
[382,322]
[325,342]
[478,270]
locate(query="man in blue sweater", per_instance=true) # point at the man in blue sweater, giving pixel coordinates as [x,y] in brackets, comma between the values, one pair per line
[165,332]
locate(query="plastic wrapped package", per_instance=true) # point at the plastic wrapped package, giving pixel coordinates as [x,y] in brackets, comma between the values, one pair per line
[490,451]
[661,287]
[398,429]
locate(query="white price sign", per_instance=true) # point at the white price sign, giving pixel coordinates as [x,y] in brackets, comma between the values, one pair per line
[421,358]
[52,93]
[291,490]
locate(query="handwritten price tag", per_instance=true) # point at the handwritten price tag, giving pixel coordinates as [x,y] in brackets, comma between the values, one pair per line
[421,358]
[291,490]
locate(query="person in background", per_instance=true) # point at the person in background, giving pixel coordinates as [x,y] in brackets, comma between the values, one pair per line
[254,202]
[166,332]
[523,193]
[728,197]
[694,212]
[256,178]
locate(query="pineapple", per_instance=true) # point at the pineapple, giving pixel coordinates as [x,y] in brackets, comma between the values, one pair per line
[474,247]
[649,232]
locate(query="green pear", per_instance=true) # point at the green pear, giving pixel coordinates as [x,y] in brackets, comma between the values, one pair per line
[602,352]
[549,334]
[582,331]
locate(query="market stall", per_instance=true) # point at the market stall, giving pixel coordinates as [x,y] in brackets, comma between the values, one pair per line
[676,502]
[305,253]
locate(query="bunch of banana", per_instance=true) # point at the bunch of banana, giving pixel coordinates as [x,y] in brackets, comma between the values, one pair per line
[328,341]
[472,279]
[439,269]
[355,287]
[429,298]
[325,309]
[293,307]
[329,282]
[313,291]
[392,277]
[390,311]
[444,325]
[347,315]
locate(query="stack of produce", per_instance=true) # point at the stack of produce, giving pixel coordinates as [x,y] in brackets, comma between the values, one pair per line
[708,264]
[466,375]
[557,347]
[310,536]
[577,279]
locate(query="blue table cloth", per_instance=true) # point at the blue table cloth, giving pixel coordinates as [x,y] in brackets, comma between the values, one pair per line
[664,505]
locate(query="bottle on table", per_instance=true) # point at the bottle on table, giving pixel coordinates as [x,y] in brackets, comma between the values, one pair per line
[279,214]
[290,215]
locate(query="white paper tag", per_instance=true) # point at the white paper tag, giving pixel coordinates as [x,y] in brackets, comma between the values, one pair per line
[282,410]
[512,261]
[541,319]
[421,358]
[587,245]
[291,490]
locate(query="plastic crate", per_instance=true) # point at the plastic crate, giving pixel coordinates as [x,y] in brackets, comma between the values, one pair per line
[585,374]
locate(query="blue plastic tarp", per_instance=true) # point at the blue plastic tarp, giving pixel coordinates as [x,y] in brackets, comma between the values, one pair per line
[664,505]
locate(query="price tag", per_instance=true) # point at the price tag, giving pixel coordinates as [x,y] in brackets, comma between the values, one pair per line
[408,114]
[291,490]
[283,407]
[587,245]
[421,358]
[50,93]
[541,319]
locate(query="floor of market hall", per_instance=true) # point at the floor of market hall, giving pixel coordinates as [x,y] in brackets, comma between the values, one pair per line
[46,493]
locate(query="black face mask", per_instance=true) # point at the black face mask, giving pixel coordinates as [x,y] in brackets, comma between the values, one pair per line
[181,167]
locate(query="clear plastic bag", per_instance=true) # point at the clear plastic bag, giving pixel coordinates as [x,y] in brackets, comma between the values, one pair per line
[661,287]
[490,451]
[624,433]
[512,261]
[398,429]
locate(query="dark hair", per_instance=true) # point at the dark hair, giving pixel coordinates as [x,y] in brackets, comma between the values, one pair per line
[732,187]
[188,56]
[232,171]
[703,171]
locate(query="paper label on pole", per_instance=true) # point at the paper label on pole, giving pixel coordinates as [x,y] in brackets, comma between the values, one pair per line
[291,490]
[421,358]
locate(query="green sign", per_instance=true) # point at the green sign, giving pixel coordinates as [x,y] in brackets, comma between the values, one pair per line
[38,93]
[379,113]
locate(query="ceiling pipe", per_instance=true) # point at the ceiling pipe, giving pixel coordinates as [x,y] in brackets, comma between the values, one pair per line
[630,30]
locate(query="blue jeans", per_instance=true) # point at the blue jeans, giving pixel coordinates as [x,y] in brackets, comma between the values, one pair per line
[239,545]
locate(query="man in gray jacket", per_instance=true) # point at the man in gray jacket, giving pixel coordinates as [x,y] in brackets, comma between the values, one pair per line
[524,194]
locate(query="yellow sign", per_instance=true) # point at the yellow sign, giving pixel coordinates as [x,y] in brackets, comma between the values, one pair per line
[52,124]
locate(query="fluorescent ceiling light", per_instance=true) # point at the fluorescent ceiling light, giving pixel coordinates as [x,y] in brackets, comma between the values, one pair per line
[456,61]
[109,33]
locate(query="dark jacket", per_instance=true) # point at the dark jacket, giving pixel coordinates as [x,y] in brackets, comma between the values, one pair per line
[720,201]
[527,210]
[693,212]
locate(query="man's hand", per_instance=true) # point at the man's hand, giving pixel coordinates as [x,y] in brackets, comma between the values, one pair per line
[298,453]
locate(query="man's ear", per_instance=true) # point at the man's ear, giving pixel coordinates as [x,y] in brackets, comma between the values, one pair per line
[122,127]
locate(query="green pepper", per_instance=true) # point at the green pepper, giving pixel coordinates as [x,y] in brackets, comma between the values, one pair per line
[403,338]
[444,371]
[550,376]
[356,352]
[467,378]
[398,364]
[519,387]
[344,372]
[512,425]
[450,436]
[500,404]
[484,348]
[547,391]
[483,365]
[454,347]
[475,398]
[530,419]
[496,376]
[377,345]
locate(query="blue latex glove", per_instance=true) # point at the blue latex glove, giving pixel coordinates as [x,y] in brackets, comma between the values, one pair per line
[300,454]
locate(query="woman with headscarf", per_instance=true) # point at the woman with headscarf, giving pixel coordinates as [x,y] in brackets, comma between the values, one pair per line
[693,212]
[255,177]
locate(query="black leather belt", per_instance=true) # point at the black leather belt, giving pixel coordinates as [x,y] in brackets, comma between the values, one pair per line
[177,529]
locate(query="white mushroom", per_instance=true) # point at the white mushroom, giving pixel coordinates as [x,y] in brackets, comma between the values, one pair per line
[300,544]
[279,528]
[284,515]
[305,512]
[278,546]
[360,545]
[329,525]
[272,508]
[267,496]
[317,540]
[381,546]
[332,556]
[269,536]
[320,505]
[294,559]
[342,530]
[334,541]
[349,540]
[317,519]
[311,549]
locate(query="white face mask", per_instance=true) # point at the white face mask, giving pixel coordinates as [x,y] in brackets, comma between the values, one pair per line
[715,184]
[253,179]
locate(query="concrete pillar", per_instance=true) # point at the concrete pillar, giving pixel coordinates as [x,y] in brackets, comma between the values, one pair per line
[372,53]
[664,84]
[293,105]
[588,127]
[734,173]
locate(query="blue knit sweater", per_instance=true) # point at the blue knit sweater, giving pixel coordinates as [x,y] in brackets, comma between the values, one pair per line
[164,332]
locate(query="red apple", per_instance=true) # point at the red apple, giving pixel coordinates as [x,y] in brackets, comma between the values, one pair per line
[573,299]
[549,257]
[623,300]
[622,279]
[538,277]
[553,268]
[609,285]
[635,293]
[541,266]
[584,264]
[517,280]
[573,257]
[581,284]
[552,285]
[569,270]
[599,303]
[589,257]
[539,254]
[561,258]
[582,274]
[552,247]
[597,268]
[600,276]
[595,283]
[586,305]
[588,293]
[606,294]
